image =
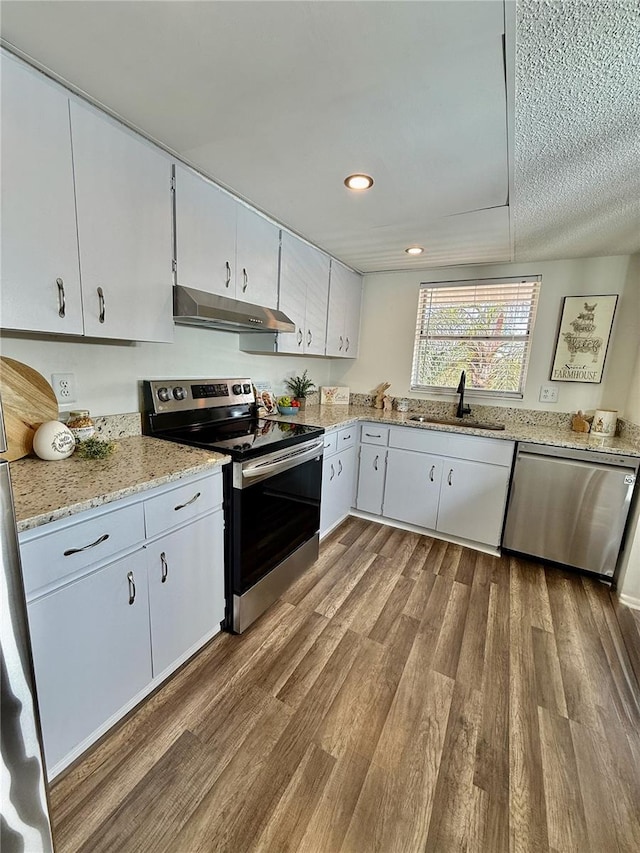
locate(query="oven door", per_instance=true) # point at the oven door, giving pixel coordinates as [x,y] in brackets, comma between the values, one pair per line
[276,509]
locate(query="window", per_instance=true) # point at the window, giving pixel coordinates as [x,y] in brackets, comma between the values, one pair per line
[482,327]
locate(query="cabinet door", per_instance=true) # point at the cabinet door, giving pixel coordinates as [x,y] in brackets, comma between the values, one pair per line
[295,266]
[257,250]
[337,311]
[371,474]
[40,276]
[330,503]
[412,487]
[346,480]
[472,500]
[123,195]
[205,222]
[315,331]
[186,588]
[91,652]
[352,315]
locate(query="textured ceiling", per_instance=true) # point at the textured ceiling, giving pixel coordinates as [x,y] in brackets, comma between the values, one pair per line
[577,129]
[278,101]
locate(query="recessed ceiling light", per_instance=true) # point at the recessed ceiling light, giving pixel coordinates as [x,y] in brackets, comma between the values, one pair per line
[414,250]
[358,182]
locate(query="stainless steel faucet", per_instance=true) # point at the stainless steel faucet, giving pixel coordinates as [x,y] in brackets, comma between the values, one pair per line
[462,410]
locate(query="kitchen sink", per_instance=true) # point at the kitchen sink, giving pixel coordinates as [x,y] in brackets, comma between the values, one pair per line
[460,422]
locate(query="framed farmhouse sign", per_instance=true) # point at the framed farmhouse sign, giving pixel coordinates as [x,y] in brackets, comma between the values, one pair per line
[583,338]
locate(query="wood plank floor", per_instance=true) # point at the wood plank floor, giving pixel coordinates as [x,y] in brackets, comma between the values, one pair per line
[404,695]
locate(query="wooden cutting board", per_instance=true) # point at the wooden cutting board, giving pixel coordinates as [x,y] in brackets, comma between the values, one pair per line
[27,401]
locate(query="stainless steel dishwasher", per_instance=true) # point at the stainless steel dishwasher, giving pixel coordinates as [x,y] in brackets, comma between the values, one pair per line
[570,506]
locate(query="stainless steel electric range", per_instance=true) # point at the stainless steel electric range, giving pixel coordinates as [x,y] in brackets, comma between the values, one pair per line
[273,489]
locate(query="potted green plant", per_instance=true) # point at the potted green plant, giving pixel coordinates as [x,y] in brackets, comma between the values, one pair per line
[300,386]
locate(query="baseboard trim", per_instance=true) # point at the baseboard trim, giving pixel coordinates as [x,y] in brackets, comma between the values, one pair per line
[629,601]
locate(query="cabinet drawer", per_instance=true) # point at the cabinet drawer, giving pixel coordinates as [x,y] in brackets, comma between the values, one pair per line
[374,434]
[330,443]
[183,503]
[52,556]
[347,437]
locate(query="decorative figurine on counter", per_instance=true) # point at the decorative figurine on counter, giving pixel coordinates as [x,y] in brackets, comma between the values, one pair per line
[387,404]
[579,423]
[379,392]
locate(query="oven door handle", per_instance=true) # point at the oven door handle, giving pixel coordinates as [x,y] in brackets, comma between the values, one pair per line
[284,461]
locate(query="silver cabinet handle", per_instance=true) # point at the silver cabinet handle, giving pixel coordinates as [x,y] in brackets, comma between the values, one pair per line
[190,501]
[339,467]
[341,343]
[332,472]
[165,567]
[346,349]
[433,468]
[245,279]
[61,301]
[132,587]
[449,477]
[375,463]
[101,304]
[309,337]
[98,541]
[228,278]
[299,337]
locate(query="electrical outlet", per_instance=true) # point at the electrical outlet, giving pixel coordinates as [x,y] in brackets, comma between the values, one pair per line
[64,387]
[548,394]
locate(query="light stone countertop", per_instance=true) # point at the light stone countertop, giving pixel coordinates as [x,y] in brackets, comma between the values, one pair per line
[330,417]
[46,491]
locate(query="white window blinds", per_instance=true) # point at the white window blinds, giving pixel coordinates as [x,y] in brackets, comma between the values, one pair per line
[482,327]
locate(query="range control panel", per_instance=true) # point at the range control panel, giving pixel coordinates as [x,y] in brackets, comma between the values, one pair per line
[179,395]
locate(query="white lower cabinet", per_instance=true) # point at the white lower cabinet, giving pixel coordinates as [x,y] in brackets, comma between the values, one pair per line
[443,482]
[91,651]
[412,487]
[338,478]
[185,598]
[472,500]
[114,605]
[371,476]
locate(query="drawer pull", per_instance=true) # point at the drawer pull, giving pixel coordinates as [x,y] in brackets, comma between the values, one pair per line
[375,463]
[165,567]
[101,305]
[333,472]
[190,501]
[433,468]
[449,477]
[372,435]
[61,300]
[71,551]
[339,467]
[346,437]
[132,587]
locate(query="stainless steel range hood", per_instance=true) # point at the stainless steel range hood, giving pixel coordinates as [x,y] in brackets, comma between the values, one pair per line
[197,308]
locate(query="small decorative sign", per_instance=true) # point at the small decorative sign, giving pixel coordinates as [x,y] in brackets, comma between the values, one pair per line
[334,395]
[583,338]
[265,398]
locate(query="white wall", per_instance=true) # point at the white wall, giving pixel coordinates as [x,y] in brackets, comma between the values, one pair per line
[107,372]
[389,319]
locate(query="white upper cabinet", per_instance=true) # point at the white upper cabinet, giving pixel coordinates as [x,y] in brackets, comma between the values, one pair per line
[124,230]
[345,301]
[257,249]
[40,277]
[205,235]
[304,293]
[222,246]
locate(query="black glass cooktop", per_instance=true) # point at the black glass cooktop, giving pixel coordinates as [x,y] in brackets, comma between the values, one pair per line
[243,438]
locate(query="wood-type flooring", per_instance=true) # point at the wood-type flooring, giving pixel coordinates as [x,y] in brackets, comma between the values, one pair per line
[404,695]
